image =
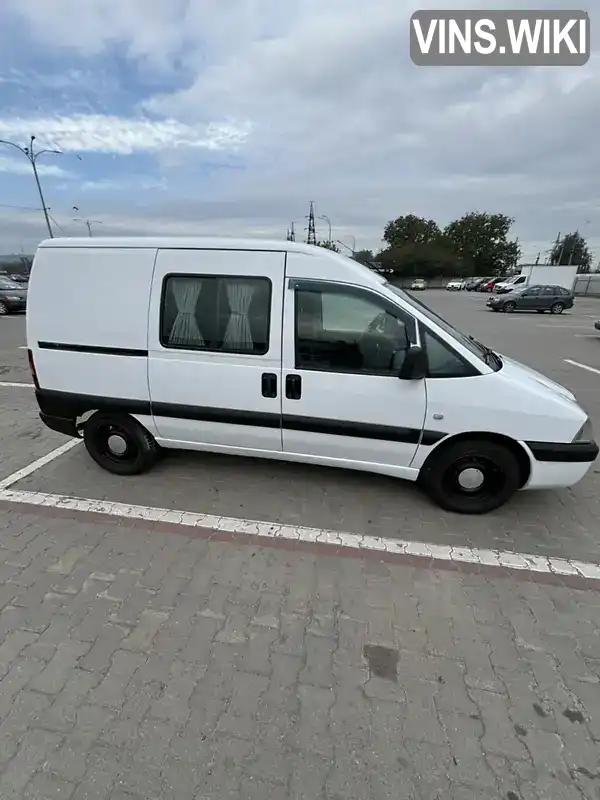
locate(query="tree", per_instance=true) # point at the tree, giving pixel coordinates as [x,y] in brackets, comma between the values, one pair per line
[364,257]
[481,239]
[410,230]
[423,260]
[572,249]
[329,246]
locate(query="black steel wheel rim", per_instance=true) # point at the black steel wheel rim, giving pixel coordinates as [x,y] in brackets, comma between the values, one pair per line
[101,440]
[493,479]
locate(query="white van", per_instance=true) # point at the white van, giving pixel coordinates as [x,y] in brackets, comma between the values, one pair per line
[291,352]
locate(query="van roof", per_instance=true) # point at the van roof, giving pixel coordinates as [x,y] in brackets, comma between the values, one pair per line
[181,243]
[363,274]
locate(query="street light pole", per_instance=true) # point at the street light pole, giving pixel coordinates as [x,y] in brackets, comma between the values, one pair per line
[328,221]
[32,156]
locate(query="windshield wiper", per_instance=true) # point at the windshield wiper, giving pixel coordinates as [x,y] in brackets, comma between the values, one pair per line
[488,353]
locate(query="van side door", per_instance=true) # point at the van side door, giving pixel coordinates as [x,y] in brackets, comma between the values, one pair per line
[214,342]
[343,398]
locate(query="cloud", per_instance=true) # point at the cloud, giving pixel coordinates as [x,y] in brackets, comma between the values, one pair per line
[120,135]
[322,102]
[24,168]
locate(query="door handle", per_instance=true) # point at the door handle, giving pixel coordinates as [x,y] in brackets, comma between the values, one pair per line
[293,387]
[269,384]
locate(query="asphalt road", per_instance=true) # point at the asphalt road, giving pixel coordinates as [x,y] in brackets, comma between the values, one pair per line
[562,523]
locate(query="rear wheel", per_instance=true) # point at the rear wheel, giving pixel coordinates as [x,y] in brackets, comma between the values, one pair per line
[557,308]
[471,477]
[509,307]
[119,444]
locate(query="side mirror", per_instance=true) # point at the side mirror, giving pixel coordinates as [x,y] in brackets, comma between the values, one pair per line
[414,366]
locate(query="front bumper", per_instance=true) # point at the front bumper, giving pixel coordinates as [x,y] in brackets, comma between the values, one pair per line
[559,465]
[16,305]
[564,453]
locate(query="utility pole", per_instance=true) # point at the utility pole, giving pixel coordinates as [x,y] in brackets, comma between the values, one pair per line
[32,157]
[291,234]
[312,233]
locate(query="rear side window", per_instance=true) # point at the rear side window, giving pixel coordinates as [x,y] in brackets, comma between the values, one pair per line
[216,313]
[562,290]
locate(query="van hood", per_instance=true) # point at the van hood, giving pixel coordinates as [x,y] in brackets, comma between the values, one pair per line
[519,371]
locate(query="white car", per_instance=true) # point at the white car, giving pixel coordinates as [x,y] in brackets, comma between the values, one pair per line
[455,285]
[291,352]
[418,284]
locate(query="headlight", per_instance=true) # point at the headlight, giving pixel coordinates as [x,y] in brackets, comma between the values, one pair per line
[585,433]
[13,298]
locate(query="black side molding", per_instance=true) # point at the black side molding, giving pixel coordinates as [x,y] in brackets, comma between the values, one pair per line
[60,425]
[571,453]
[69,405]
[63,408]
[88,348]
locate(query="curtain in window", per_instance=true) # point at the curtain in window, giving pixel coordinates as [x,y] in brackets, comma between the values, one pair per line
[185,330]
[238,335]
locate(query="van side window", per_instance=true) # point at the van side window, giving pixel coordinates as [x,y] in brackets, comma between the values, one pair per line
[443,361]
[216,313]
[341,329]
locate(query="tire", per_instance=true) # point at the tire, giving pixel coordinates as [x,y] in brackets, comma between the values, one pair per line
[3,309]
[141,450]
[440,478]
[557,308]
[509,307]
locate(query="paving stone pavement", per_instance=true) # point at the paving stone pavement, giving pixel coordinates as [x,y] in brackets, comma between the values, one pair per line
[140,664]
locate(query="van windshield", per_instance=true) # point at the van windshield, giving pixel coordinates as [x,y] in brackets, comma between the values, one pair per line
[482,352]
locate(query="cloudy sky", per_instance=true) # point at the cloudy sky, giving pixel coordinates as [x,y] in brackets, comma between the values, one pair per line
[227,117]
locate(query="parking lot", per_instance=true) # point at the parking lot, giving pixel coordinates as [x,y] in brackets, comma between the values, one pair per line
[136,664]
[559,523]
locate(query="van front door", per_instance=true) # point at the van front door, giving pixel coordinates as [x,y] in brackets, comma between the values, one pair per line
[214,343]
[343,399]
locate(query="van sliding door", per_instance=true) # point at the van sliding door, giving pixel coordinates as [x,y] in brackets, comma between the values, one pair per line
[215,348]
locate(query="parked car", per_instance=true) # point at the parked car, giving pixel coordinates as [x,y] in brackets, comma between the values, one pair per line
[240,346]
[534,298]
[488,284]
[473,284]
[455,285]
[418,284]
[13,296]
[506,285]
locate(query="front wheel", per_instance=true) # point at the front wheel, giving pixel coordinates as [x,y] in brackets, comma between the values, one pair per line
[508,307]
[3,309]
[119,444]
[471,477]
[557,308]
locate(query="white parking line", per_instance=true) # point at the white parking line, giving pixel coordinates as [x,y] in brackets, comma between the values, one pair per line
[274,530]
[38,464]
[17,385]
[582,366]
